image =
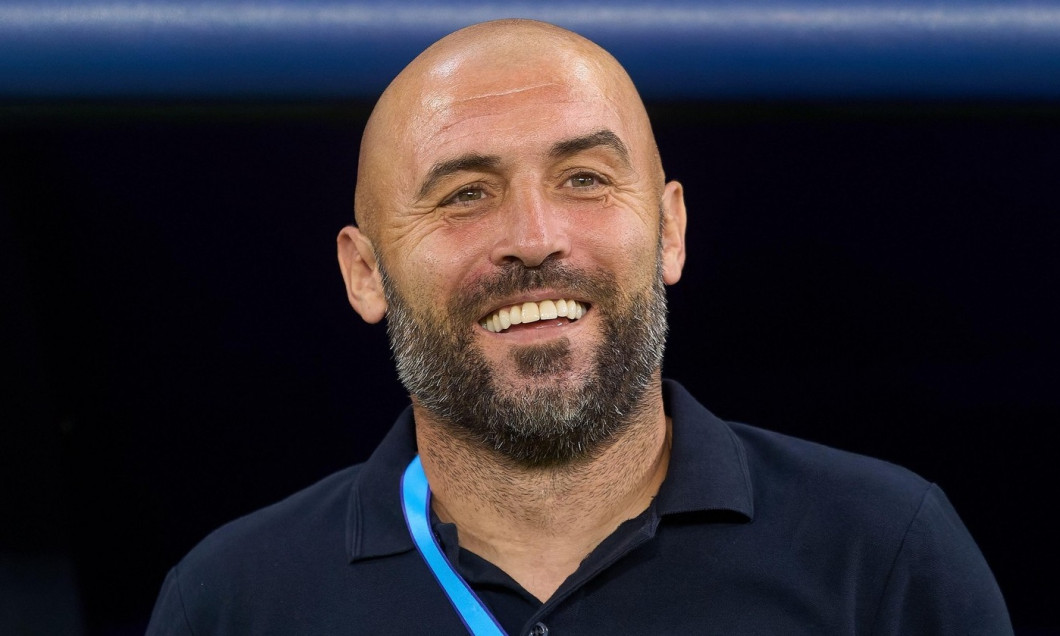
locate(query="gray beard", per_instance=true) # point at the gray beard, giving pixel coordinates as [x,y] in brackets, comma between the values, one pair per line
[553,420]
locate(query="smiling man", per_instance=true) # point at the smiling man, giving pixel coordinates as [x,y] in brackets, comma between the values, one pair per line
[516,231]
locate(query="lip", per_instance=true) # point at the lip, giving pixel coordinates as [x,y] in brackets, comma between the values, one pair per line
[539,331]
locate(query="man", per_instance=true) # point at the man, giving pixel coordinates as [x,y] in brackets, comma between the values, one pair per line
[515,228]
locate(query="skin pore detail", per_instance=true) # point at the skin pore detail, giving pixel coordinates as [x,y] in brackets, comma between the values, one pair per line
[440,104]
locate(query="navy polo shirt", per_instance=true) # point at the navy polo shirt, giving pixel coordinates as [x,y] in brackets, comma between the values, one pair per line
[752,532]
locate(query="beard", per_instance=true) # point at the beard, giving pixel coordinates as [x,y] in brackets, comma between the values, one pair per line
[554,416]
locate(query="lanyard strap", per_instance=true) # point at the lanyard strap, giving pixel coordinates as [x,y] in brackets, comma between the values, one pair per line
[416,501]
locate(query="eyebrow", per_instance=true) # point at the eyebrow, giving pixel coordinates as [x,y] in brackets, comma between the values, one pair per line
[564,148]
[599,138]
[468,162]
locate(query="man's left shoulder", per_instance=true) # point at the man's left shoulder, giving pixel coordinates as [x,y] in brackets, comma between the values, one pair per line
[831,475]
[879,524]
[787,477]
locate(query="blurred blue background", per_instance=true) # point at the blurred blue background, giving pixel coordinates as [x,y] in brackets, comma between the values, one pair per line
[872,259]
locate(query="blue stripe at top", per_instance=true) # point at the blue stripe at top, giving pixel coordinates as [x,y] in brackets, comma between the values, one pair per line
[675,50]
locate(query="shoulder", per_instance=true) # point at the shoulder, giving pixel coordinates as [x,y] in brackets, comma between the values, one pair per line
[835,475]
[310,520]
[916,562]
[319,510]
[782,479]
[248,565]
[830,498]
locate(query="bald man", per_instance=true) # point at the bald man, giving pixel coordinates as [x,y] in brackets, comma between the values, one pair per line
[516,231]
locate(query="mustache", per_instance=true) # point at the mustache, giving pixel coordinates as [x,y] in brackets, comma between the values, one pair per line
[515,278]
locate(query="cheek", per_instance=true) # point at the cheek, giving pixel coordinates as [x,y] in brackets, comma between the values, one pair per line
[443,261]
[622,247]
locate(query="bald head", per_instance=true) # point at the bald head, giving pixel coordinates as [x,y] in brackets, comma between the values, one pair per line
[467,80]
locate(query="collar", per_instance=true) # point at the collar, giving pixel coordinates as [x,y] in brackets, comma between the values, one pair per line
[707,473]
[375,523]
[708,465]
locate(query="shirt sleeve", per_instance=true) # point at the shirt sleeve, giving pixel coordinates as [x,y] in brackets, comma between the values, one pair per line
[940,583]
[169,617]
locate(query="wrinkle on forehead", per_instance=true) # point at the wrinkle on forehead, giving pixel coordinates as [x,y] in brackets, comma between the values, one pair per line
[513,91]
[442,113]
[442,102]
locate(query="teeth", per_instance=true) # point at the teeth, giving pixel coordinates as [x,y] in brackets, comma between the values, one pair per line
[532,312]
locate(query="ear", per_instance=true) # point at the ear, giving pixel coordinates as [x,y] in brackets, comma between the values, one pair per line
[364,287]
[673,232]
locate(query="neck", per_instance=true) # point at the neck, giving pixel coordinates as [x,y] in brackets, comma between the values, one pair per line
[538,524]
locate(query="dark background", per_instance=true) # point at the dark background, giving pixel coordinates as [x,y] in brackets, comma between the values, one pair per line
[178,350]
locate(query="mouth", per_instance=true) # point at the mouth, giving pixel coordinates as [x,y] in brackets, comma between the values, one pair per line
[503,319]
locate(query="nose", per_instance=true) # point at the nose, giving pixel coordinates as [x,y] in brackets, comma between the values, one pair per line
[533,230]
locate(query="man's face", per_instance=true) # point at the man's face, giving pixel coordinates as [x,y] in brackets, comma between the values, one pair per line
[514,192]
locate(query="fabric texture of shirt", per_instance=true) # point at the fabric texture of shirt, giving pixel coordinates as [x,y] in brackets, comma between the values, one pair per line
[752,532]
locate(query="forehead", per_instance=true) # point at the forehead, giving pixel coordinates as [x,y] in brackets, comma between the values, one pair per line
[465,105]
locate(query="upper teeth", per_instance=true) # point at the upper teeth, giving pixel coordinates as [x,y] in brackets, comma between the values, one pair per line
[532,312]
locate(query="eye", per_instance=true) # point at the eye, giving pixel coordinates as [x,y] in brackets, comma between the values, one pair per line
[464,196]
[585,180]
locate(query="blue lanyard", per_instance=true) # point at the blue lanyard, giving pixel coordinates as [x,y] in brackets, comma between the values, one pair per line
[416,501]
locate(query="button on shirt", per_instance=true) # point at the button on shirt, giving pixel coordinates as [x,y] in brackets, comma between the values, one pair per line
[517,610]
[751,532]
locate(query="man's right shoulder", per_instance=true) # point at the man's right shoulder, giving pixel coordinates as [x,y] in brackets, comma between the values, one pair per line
[318,511]
[242,569]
